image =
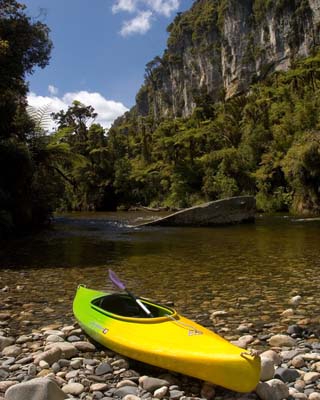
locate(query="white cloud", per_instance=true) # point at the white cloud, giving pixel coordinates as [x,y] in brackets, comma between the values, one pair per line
[107,110]
[163,7]
[124,5]
[145,11]
[53,90]
[140,24]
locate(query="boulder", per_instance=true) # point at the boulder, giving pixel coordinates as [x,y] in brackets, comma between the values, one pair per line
[35,389]
[151,384]
[272,390]
[267,369]
[50,356]
[5,341]
[282,341]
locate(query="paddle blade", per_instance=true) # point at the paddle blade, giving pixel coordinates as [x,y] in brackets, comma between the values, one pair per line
[116,281]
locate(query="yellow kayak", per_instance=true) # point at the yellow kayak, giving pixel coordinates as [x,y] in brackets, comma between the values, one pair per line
[166,340]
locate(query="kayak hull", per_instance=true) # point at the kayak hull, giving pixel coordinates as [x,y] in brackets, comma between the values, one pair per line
[169,341]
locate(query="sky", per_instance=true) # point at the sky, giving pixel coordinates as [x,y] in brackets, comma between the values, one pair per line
[100,51]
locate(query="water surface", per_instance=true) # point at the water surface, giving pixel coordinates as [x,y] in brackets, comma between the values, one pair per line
[249,271]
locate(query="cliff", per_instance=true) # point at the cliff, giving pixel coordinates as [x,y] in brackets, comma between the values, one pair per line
[219,47]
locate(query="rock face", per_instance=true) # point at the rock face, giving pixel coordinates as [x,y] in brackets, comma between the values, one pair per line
[219,47]
[227,211]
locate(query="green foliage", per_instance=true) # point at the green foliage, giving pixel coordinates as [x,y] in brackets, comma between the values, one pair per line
[24,44]
[194,24]
[302,169]
[250,144]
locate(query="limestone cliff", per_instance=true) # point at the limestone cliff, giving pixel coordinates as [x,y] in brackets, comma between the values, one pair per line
[219,47]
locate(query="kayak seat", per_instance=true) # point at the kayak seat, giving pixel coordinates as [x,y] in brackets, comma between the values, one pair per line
[121,305]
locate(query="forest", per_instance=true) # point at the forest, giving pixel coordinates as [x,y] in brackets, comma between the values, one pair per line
[264,142]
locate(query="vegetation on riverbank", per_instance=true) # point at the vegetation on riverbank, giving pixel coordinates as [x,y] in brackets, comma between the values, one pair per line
[25,192]
[265,142]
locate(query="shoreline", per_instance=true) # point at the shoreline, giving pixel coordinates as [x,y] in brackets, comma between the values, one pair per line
[61,359]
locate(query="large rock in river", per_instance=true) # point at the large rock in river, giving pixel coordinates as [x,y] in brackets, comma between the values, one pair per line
[232,210]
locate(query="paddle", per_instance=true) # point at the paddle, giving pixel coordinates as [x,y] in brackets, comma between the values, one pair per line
[116,281]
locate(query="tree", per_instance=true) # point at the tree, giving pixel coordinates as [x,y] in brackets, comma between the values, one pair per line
[24,44]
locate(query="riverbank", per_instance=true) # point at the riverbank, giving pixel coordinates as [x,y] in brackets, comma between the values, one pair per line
[58,359]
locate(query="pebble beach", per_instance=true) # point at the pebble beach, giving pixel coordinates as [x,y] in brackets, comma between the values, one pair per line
[59,362]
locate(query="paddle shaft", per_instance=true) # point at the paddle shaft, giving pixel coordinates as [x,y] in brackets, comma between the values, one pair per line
[139,302]
[116,281]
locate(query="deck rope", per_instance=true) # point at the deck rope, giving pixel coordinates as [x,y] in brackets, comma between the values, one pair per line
[191,330]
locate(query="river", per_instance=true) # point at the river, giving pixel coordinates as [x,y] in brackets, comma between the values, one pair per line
[248,271]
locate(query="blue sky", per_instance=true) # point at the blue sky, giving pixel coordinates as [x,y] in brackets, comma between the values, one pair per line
[100,51]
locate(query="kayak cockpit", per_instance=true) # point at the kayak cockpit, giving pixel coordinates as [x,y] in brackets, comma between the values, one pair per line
[123,306]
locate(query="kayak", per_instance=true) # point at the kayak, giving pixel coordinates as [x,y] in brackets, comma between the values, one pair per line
[167,339]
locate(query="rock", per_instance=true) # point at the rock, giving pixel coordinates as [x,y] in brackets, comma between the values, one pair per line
[295,330]
[11,351]
[54,339]
[176,394]
[43,373]
[267,369]
[208,391]
[126,382]
[100,387]
[311,356]
[298,362]
[316,366]
[244,328]
[35,389]
[314,396]
[73,388]
[73,338]
[287,313]
[299,396]
[76,364]
[289,355]
[50,356]
[3,374]
[150,384]
[24,360]
[299,385]
[216,314]
[68,350]
[311,377]
[272,390]
[160,393]
[72,374]
[8,361]
[282,341]
[49,332]
[55,367]
[48,310]
[125,390]
[286,374]
[4,385]
[121,363]
[32,370]
[44,364]
[4,316]
[103,368]
[127,397]
[295,300]
[272,355]
[5,342]
[225,211]
[85,347]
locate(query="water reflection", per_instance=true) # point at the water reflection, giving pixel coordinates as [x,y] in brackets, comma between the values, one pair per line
[249,271]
